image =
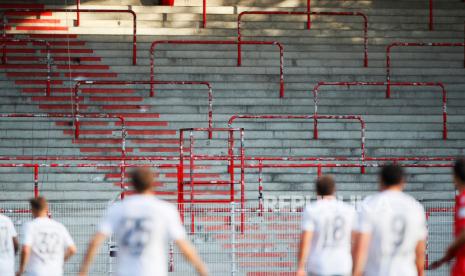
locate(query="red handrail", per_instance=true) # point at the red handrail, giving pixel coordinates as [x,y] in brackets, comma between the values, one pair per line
[358,83]
[413,44]
[365,27]
[218,42]
[78,84]
[231,157]
[329,117]
[134,20]
[48,62]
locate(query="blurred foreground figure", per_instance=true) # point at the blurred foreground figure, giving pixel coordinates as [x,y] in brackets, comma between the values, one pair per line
[142,225]
[46,244]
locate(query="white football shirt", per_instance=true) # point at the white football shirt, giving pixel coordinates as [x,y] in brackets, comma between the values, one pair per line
[396,222]
[331,222]
[48,240]
[142,225]
[7,252]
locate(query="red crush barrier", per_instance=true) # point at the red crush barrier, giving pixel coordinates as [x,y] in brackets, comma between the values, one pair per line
[78,84]
[78,10]
[412,44]
[358,83]
[308,13]
[218,42]
[48,62]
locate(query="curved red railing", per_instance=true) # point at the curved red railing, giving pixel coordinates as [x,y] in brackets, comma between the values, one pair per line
[365,27]
[78,84]
[77,11]
[329,117]
[91,116]
[413,44]
[358,83]
[218,42]
[4,41]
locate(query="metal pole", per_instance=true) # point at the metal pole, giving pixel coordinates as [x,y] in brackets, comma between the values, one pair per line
[204,15]
[233,240]
[309,22]
[4,39]
[191,177]
[36,180]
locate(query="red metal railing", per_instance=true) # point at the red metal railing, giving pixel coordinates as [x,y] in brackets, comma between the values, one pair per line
[71,116]
[413,44]
[365,27]
[77,11]
[218,42]
[48,62]
[78,84]
[358,83]
[230,157]
[300,117]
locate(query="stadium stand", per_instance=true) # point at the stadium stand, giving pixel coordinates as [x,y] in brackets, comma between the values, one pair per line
[407,125]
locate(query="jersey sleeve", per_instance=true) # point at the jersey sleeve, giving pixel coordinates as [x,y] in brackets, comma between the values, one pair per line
[27,235]
[68,240]
[460,217]
[364,222]
[110,221]
[12,229]
[176,230]
[308,223]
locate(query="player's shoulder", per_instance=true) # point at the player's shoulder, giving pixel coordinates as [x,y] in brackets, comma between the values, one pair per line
[4,219]
[165,205]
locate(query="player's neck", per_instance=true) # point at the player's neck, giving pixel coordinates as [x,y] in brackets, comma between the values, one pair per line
[327,197]
[396,188]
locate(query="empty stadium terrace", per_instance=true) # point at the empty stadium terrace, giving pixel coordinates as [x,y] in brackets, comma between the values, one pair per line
[231,104]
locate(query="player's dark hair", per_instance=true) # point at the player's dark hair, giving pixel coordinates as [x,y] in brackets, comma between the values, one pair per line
[325,185]
[38,204]
[142,179]
[459,169]
[392,175]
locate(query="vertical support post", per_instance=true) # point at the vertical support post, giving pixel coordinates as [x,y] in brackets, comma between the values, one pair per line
[231,163]
[431,21]
[362,169]
[78,14]
[239,41]
[260,186]
[388,72]
[36,180]
[233,239]
[319,170]
[4,60]
[242,182]
[365,41]
[309,20]
[123,155]
[281,71]
[204,15]
[49,71]
[181,175]
[210,112]
[191,177]
[444,113]
[152,70]
[134,39]
[464,43]
[171,257]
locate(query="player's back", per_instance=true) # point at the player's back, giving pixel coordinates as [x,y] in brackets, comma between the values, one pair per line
[48,240]
[7,254]
[142,225]
[397,223]
[331,222]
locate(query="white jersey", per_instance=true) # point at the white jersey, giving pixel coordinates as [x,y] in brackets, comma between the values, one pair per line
[48,240]
[396,222]
[7,252]
[142,225]
[331,222]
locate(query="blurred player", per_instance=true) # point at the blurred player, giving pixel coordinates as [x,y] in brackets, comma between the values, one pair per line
[327,224]
[391,230]
[46,243]
[457,247]
[142,224]
[8,246]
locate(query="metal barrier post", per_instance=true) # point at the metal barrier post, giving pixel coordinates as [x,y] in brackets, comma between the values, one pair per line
[233,239]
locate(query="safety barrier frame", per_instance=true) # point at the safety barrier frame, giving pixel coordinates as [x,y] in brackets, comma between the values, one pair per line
[308,13]
[4,41]
[230,157]
[218,42]
[300,117]
[78,11]
[78,84]
[413,44]
[315,92]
